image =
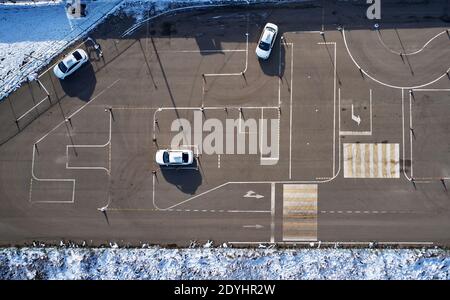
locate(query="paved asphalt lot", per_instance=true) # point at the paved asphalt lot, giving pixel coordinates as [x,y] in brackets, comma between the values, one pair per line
[363,139]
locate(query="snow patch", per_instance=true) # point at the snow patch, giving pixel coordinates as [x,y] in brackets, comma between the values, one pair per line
[223,263]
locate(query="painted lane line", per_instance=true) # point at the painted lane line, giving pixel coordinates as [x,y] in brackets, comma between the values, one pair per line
[272,209]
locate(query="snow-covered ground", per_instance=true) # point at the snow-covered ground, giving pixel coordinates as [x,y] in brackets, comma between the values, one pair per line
[222,263]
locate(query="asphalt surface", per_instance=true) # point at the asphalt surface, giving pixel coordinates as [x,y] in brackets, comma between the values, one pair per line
[362,152]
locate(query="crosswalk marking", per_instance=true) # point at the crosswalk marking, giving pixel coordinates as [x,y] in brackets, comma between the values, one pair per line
[300,212]
[371,160]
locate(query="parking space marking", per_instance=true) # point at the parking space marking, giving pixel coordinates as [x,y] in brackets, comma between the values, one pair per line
[412,178]
[233,74]
[371,160]
[300,212]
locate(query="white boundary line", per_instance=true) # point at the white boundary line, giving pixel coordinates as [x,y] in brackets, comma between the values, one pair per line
[412,53]
[403,136]
[272,214]
[410,134]
[34,177]
[232,74]
[72,180]
[32,108]
[290,104]
[202,51]
[334,102]
[108,170]
[383,83]
[426,179]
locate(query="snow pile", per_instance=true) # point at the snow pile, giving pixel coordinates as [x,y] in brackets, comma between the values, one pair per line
[223,263]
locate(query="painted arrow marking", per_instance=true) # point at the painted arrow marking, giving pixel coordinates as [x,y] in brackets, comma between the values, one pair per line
[357,119]
[252,194]
[257,226]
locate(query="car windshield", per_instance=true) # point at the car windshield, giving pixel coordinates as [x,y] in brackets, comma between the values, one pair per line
[166,157]
[77,55]
[62,67]
[264,46]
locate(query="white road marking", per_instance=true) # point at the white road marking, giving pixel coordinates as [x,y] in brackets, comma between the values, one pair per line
[362,133]
[383,83]
[410,134]
[411,53]
[233,74]
[32,108]
[371,160]
[108,170]
[272,214]
[72,180]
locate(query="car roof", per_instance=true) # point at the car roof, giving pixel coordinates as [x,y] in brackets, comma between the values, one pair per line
[70,59]
[267,36]
[175,156]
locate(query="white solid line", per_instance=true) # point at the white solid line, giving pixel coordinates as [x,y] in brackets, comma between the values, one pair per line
[201,51]
[431,90]
[334,111]
[72,180]
[233,74]
[272,209]
[108,171]
[382,83]
[40,83]
[410,135]
[412,53]
[28,111]
[77,111]
[403,134]
[290,111]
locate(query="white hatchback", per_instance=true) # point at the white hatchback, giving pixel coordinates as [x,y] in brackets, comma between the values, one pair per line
[70,63]
[174,157]
[266,41]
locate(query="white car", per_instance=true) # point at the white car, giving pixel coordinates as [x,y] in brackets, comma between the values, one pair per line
[174,157]
[266,41]
[70,63]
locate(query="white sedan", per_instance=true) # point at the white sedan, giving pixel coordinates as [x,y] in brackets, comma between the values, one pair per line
[174,157]
[266,41]
[70,63]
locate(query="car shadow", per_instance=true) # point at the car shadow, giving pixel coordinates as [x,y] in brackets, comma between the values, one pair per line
[186,179]
[81,84]
[270,66]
